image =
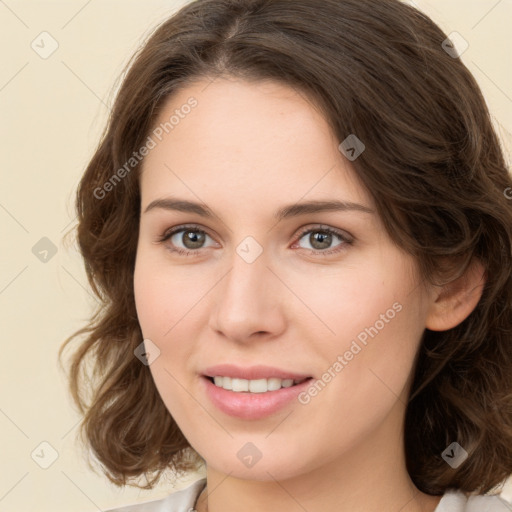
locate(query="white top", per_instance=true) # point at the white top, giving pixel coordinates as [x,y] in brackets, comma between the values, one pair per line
[452,501]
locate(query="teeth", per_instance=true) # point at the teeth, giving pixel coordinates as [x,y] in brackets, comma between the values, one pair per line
[239,384]
[253,386]
[227,383]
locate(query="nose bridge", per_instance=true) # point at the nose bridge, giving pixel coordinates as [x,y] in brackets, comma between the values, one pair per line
[248,301]
[247,282]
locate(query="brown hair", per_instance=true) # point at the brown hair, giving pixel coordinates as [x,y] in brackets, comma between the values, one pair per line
[432,163]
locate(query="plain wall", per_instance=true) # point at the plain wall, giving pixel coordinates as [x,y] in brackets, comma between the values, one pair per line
[52,112]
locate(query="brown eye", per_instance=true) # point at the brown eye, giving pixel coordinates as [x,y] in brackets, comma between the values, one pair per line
[321,240]
[192,239]
[185,240]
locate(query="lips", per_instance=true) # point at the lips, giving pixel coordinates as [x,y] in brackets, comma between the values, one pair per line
[253,386]
[252,372]
[258,403]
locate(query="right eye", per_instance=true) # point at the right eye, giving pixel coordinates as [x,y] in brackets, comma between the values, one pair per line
[191,237]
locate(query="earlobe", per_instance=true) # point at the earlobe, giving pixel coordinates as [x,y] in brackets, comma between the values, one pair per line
[455,301]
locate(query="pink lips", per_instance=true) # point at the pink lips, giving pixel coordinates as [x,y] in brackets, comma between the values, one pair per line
[252,406]
[252,372]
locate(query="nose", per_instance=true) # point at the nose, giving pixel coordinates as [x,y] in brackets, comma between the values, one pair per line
[249,302]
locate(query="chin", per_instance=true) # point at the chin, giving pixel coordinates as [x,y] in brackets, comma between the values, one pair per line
[242,459]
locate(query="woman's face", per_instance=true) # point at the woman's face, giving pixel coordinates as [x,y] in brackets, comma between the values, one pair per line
[267,289]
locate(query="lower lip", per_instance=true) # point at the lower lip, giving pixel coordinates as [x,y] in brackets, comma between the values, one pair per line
[252,406]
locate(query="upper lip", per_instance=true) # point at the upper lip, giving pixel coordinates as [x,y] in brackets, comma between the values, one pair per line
[252,372]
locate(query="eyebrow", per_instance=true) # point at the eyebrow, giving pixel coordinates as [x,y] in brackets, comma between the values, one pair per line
[286,212]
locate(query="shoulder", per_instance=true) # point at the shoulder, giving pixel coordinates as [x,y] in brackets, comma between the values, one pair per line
[180,501]
[457,501]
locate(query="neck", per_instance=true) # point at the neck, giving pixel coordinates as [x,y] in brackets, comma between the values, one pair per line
[233,495]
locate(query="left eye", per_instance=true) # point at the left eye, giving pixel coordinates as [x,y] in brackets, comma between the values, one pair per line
[321,239]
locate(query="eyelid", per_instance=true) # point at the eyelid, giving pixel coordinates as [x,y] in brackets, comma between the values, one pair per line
[168,233]
[345,235]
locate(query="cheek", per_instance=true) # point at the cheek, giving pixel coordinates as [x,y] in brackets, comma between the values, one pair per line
[162,305]
[170,310]
[165,296]
[373,318]
[348,303]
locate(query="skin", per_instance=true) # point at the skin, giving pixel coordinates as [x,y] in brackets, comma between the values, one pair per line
[245,151]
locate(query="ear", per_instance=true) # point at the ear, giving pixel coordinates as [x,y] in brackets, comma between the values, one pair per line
[454,302]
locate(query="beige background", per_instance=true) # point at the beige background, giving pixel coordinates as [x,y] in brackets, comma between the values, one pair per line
[52,111]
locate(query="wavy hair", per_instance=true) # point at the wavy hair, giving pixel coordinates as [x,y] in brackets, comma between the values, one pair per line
[433,165]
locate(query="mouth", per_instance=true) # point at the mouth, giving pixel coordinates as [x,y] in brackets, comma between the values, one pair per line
[253,392]
[253,398]
[262,385]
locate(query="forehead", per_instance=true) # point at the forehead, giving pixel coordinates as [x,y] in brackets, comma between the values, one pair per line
[255,139]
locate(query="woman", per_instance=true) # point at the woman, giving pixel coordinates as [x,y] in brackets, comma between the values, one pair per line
[298,223]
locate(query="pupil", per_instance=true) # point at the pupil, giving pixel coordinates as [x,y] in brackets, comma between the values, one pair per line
[193,239]
[322,239]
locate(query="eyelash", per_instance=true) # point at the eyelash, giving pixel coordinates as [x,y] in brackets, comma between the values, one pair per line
[182,252]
